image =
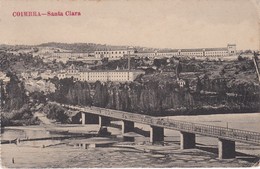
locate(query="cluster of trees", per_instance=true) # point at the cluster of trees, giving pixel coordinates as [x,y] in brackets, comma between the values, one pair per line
[121,64]
[149,98]
[228,91]
[56,112]
[157,98]
[23,116]
[15,106]
[21,63]
[15,95]
[24,62]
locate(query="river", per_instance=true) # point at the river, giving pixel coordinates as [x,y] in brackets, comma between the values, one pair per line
[140,153]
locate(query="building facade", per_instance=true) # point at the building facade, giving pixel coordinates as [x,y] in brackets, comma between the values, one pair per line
[99,54]
[66,56]
[230,50]
[100,75]
[72,71]
[110,75]
[113,54]
[146,54]
[70,54]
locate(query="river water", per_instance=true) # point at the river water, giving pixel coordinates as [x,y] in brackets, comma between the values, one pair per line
[70,153]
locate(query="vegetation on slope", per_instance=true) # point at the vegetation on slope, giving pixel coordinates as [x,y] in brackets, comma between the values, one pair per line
[211,87]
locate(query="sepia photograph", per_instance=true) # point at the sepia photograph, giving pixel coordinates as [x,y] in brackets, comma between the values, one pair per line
[130,84]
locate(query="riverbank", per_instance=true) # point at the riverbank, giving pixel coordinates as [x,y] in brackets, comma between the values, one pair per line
[122,154]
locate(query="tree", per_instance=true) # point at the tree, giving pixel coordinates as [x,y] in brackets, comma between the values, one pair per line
[15,90]
[56,112]
[38,96]
[2,94]
[101,95]
[240,58]
[104,60]
[146,58]
[199,85]
[160,62]
[63,89]
[35,49]
[86,93]
[54,61]
[178,70]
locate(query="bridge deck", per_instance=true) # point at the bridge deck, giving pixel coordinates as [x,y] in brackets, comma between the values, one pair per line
[201,129]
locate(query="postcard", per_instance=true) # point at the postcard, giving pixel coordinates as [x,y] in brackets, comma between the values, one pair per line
[129,84]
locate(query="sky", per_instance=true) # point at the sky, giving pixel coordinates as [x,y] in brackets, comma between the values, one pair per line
[150,23]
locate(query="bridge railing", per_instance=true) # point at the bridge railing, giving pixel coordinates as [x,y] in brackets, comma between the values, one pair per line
[215,131]
[203,129]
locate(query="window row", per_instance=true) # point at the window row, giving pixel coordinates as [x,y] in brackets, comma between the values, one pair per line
[117,52]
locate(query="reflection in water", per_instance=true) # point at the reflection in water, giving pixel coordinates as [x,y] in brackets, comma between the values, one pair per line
[42,138]
[12,134]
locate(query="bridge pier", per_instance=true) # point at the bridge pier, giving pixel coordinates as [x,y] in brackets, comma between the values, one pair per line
[187,140]
[104,121]
[156,134]
[83,118]
[226,149]
[88,118]
[127,126]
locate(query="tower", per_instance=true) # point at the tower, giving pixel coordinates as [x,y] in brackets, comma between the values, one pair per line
[128,61]
[129,58]
[231,49]
[178,70]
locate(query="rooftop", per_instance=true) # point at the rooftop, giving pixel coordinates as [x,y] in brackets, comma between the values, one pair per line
[110,49]
[114,71]
[215,49]
[201,49]
[69,52]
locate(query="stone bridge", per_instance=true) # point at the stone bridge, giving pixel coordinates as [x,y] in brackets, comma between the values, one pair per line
[226,136]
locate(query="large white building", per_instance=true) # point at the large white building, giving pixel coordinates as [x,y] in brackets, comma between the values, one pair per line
[117,54]
[110,75]
[100,75]
[148,54]
[90,56]
[70,54]
[72,71]
[230,50]
[65,56]
[113,54]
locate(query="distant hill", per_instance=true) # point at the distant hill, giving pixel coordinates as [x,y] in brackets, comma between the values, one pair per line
[14,47]
[86,47]
[76,47]
[81,47]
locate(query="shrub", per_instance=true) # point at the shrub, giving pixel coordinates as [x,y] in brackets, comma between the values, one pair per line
[240,58]
[56,112]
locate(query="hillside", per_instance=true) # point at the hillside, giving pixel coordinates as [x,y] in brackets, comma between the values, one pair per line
[76,47]
[80,47]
